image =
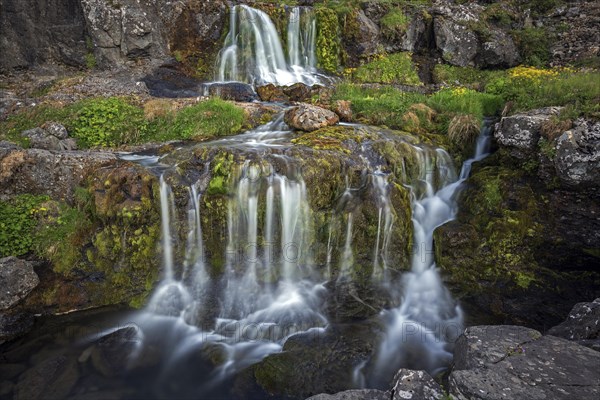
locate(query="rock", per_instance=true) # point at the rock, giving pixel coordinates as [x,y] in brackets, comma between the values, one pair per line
[458,44]
[360,37]
[271,92]
[577,158]
[356,394]
[110,354]
[521,132]
[298,92]
[171,82]
[306,117]
[52,378]
[36,32]
[415,385]
[51,136]
[582,325]
[56,174]
[235,91]
[17,280]
[498,362]
[499,50]
[343,108]
[15,324]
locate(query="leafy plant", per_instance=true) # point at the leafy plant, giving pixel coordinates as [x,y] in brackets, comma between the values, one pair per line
[17,223]
[394,68]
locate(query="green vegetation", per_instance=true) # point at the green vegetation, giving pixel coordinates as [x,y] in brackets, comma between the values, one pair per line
[327,42]
[118,121]
[18,223]
[534,45]
[394,23]
[464,76]
[394,68]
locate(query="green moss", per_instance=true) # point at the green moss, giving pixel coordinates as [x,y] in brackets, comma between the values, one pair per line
[394,68]
[394,23]
[332,138]
[327,41]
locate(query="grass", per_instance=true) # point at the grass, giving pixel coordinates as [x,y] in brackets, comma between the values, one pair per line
[394,23]
[120,121]
[391,69]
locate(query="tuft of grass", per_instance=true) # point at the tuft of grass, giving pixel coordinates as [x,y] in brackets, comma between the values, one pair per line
[394,23]
[463,130]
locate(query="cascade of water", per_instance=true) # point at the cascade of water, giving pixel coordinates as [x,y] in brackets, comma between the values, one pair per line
[428,321]
[384,223]
[166,238]
[253,52]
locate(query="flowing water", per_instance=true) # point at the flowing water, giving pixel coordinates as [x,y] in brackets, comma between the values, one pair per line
[253,52]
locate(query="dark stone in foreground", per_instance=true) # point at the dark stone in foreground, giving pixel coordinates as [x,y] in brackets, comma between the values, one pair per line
[415,385]
[500,362]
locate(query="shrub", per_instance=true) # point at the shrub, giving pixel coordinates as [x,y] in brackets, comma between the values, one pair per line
[109,122]
[394,68]
[534,45]
[17,223]
[394,23]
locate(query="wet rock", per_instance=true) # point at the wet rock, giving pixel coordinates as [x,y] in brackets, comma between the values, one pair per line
[350,301]
[415,385]
[52,378]
[14,324]
[38,171]
[11,371]
[343,108]
[51,136]
[577,158]
[521,132]
[271,92]
[306,117]
[170,82]
[298,92]
[495,362]
[111,354]
[17,280]
[356,394]
[235,91]
[582,325]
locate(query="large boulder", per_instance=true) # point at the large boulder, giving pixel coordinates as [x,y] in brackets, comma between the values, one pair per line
[306,117]
[577,158]
[498,362]
[520,133]
[17,280]
[498,51]
[360,37]
[582,325]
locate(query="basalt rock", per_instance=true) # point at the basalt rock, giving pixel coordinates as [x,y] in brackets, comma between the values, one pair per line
[577,158]
[415,385]
[356,394]
[51,136]
[308,118]
[17,279]
[494,362]
[582,325]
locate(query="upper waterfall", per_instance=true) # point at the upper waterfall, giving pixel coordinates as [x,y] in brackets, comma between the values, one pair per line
[253,51]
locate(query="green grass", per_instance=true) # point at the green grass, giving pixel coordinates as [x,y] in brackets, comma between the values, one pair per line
[394,22]
[18,223]
[464,101]
[392,69]
[116,121]
[464,76]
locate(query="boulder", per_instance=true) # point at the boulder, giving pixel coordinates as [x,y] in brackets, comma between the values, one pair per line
[271,92]
[306,117]
[499,362]
[343,108]
[235,91]
[458,44]
[17,280]
[360,37]
[356,394]
[415,385]
[298,92]
[51,136]
[521,132]
[498,51]
[111,354]
[582,325]
[577,158]
[14,324]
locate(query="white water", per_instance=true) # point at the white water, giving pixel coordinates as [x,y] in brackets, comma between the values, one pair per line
[423,328]
[253,52]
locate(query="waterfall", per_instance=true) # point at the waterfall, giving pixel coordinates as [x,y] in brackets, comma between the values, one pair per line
[385,221]
[422,329]
[253,52]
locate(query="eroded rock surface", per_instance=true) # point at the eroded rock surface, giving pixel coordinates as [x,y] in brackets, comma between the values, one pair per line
[582,325]
[306,117]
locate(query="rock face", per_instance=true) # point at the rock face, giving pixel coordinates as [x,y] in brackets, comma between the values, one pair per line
[521,132]
[577,158]
[17,279]
[306,117]
[51,136]
[498,362]
[360,38]
[582,325]
[415,385]
[37,32]
[458,44]
[39,171]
